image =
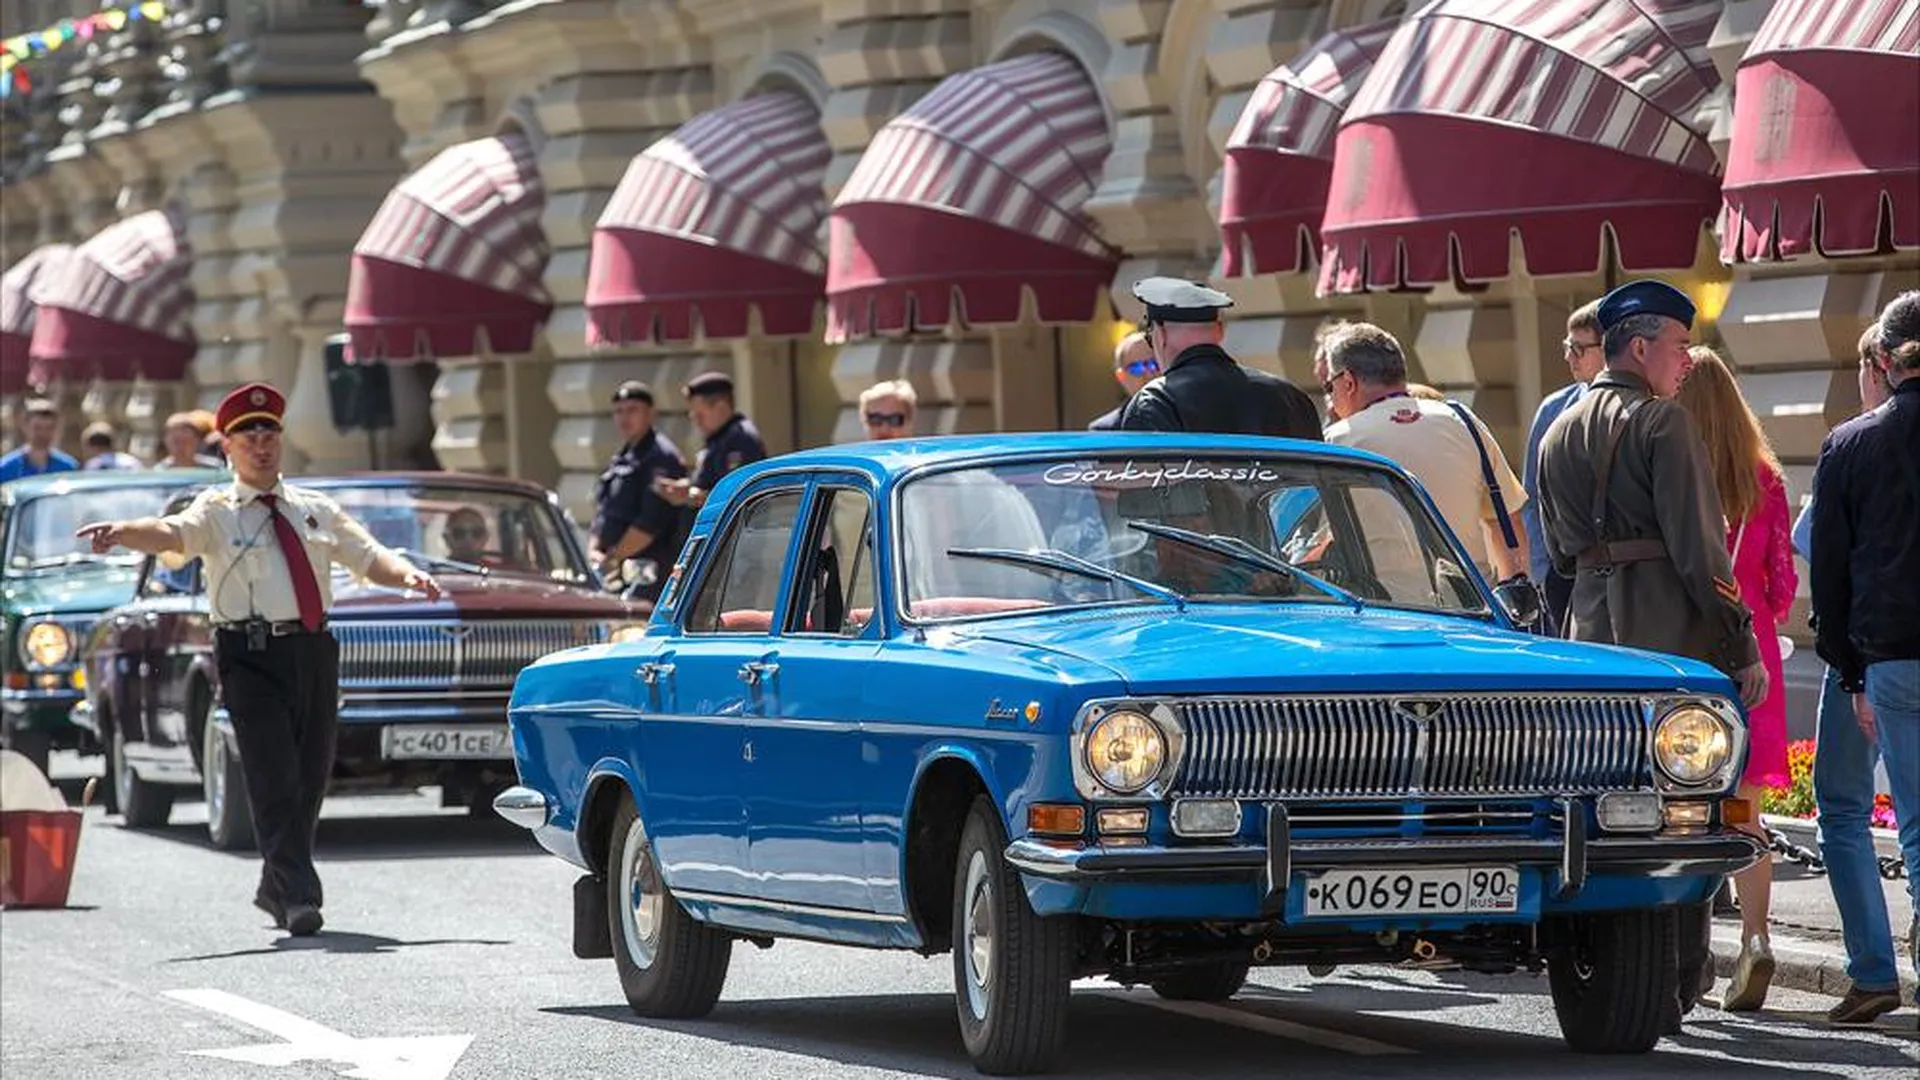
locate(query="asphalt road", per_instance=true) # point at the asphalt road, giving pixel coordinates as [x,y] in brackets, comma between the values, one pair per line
[446,954]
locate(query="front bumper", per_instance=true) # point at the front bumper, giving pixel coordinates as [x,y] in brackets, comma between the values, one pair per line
[45,709]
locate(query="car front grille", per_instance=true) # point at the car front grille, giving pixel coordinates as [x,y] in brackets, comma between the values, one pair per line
[1410,746]
[406,655]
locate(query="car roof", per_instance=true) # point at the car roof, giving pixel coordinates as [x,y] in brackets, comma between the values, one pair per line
[422,478]
[32,487]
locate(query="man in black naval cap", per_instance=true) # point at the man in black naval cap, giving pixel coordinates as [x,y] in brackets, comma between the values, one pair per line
[1202,388]
[732,440]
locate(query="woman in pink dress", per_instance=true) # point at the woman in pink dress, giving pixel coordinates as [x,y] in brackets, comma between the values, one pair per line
[1753,495]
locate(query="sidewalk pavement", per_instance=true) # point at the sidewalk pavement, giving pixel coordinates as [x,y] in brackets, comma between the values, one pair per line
[1807,948]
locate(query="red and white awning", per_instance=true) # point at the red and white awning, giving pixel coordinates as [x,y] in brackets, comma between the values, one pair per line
[1561,121]
[973,197]
[17,310]
[120,305]
[1280,154]
[1825,154]
[711,222]
[452,263]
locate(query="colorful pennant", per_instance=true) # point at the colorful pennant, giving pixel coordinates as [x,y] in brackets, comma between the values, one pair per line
[17,52]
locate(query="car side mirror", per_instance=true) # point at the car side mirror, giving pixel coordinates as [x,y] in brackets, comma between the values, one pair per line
[1520,599]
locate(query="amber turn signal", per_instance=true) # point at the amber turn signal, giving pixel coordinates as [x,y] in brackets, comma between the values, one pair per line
[1736,811]
[1056,819]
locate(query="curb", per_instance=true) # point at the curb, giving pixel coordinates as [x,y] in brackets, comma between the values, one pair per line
[1805,832]
[1799,963]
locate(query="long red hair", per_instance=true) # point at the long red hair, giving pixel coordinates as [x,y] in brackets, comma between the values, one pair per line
[1737,447]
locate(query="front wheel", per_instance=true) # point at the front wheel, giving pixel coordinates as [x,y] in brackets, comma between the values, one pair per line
[672,966]
[1615,981]
[1012,969]
[142,805]
[229,816]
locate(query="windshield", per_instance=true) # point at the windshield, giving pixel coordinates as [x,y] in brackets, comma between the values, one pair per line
[472,529]
[41,536]
[1360,530]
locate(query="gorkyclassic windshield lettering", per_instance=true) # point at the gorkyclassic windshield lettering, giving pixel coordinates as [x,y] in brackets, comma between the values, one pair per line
[1159,708]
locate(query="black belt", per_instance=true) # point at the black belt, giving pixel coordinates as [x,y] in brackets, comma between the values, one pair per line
[1611,553]
[277,629]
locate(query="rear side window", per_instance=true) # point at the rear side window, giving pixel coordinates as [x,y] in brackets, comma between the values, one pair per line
[739,594]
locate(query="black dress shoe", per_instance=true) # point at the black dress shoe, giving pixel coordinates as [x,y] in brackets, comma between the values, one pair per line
[303,920]
[272,907]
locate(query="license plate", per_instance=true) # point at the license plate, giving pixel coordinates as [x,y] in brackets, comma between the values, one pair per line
[1468,890]
[484,742]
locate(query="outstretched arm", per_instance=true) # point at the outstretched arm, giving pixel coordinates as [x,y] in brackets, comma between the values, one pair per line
[151,536]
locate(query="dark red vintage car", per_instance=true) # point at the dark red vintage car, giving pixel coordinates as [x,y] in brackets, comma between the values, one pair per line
[423,685]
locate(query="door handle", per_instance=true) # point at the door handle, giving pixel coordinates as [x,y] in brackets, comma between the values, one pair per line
[754,672]
[652,672]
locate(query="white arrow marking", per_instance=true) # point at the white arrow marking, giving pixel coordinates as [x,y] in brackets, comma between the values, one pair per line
[419,1057]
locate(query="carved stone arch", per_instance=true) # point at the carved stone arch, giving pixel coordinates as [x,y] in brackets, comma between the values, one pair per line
[1346,14]
[1184,78]
[790,72]
[522,117]
[1026,28]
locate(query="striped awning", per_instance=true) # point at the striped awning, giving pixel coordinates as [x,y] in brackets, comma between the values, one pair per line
[17,310]
[972,197]
[1280,154]
[452,263]
[120,306]
[1561,121]
[1826,145]
[715,220]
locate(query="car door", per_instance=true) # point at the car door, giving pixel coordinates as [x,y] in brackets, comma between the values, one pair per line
[695,747]
[804,797]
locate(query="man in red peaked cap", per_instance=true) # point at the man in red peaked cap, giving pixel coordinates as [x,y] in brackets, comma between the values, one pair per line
[266,547]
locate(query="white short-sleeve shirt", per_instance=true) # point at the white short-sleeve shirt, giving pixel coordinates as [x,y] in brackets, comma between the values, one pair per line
[245,572]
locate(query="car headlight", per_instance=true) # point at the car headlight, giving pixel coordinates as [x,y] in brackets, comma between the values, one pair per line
[1692,745]
[627,632]
[1125,751]
[46,644]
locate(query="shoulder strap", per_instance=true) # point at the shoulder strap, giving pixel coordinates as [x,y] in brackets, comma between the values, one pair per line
[1603,471]
[1486,475]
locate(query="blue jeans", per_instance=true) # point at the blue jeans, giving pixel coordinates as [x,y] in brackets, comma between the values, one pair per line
[1843,767]
[1893,686]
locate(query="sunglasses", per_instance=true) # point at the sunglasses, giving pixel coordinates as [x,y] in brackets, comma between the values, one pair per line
[467,532]
[1575,348]
[1149,366]
[1326,385]
[887,419]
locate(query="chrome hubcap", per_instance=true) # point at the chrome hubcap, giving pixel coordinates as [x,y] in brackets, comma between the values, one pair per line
[215,759]
[122,772]
[640,915]
[978,933]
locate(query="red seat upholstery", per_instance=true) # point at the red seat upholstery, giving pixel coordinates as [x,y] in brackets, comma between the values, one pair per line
[947,607]
[747,621]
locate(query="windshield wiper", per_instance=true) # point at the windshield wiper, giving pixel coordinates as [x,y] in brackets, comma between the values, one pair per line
[1233,547]
[1051,559]
[435,562]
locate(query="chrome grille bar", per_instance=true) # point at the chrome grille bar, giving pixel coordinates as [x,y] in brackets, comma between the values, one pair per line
[1355,746]
[416,655]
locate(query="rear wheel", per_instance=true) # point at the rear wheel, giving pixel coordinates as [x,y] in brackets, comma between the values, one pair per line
[1216,980]
[1615,980]
[672,966]
[141,805]
[1012,969]
[229,820]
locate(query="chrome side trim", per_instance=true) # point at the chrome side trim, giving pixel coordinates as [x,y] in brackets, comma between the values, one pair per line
[787,907]
[523,806]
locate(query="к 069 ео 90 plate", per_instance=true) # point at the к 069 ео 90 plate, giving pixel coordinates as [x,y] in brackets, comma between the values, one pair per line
[1466,890]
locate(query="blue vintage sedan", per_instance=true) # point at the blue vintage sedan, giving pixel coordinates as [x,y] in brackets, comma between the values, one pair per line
[1150,706]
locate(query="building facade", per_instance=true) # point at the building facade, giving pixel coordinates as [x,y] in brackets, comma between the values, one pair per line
[518,205]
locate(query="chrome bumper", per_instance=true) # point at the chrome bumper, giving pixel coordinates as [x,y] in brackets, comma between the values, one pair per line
[523,806]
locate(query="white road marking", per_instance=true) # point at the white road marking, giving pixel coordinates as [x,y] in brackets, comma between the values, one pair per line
[416,1057]
[1273,1025]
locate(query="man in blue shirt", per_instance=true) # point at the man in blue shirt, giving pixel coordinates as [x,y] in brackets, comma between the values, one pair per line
[39,455]
[1584,361]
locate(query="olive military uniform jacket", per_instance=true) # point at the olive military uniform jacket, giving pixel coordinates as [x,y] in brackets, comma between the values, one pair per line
[1205,390]
[1660,489]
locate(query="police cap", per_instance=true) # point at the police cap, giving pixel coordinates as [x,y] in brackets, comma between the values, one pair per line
[250,406]
[1173,300]
[633,390]
[1645,298]
[709,384]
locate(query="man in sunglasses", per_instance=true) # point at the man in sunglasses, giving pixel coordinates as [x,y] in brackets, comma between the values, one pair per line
[266,546]
[1200,387]
[1584,361]
[1134,365]
[887,408]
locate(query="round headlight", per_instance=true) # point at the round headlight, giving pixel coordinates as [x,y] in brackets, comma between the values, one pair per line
[47,644]
[1691,744]
[1125,751]
[627,632]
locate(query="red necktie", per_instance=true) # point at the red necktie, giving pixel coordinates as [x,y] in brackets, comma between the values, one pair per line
[306,588]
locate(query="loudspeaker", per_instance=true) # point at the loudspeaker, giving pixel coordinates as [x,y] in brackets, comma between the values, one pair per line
[359,395]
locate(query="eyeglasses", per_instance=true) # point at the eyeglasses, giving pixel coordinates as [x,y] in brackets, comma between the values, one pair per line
[1575,348]
[467,532]
[887,419]
[1138,368]
[1326,385]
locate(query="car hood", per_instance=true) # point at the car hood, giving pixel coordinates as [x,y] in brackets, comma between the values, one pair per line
[1293,647]
[78,588]
[476,596]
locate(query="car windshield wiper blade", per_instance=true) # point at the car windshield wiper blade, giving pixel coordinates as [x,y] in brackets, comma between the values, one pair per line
[1237,549]
[1051,559]
[435,562]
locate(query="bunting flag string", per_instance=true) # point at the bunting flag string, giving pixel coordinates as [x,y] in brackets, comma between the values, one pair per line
[18,53]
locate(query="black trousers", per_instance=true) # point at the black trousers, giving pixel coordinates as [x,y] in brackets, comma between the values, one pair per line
[285,705]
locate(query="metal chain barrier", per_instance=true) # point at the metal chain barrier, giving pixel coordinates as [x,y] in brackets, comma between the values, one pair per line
[1892,867]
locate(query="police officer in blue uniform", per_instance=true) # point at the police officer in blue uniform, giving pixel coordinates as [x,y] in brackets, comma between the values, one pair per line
[732,440]
[631,520]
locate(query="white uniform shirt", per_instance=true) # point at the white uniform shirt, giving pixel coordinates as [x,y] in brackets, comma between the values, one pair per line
[1428,440]
[244,570]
